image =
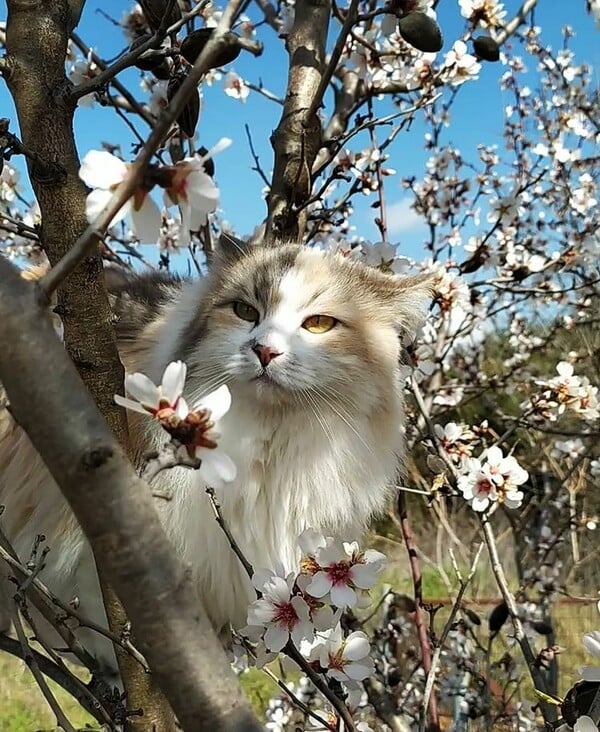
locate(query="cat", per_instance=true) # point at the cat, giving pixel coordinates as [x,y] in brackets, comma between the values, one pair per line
[308,343]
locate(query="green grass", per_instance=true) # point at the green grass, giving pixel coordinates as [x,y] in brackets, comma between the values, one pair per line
[22,706]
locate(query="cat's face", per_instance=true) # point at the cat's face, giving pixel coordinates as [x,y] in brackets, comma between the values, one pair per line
[295,325]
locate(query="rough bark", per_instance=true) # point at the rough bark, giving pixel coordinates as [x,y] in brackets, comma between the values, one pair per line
[297,140]
[114,507]
[36,43]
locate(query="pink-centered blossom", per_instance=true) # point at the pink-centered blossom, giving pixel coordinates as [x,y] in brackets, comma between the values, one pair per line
[234,86]
[492,478]
[345,659]
[193,190]
[341,570]
[282,614]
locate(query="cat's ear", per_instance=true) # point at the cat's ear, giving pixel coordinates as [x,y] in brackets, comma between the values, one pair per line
[229,248]
[413,297]
[409,298]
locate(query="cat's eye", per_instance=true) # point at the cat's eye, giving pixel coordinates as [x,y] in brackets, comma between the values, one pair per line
[245,311]
[319,323]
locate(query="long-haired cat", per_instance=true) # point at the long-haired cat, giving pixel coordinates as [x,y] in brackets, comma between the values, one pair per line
[308,343]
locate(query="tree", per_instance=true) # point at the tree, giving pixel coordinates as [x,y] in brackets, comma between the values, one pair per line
[511,239]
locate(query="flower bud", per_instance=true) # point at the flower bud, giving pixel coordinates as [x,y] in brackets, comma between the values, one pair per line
[421,31]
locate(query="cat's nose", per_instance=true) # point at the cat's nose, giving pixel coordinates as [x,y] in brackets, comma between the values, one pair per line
[265,354]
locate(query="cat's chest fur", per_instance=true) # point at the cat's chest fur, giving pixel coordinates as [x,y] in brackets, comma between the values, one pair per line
[294,471]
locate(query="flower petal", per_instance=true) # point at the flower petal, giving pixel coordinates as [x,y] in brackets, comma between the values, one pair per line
[221,145]
[140,387]
[100,169]
[591,642]
[585,724]
[275,637]
[217,468]
[343,596]
[97,201]
[146,221]
[260,612]
[356,647]
[364,576]
[220,462]
[310,541]
[358,671]
[130,404]
[218,402]
[182,410]
[173,381]
[320,585]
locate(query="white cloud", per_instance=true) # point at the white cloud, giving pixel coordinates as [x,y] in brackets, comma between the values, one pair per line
[402,218]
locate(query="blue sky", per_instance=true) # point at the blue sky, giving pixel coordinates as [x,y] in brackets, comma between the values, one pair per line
[476,117]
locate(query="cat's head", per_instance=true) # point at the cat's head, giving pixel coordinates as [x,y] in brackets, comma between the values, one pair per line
[293,325]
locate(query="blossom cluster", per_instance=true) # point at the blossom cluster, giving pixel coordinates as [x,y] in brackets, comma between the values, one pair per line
[566,392]
[492,479]
[305,607]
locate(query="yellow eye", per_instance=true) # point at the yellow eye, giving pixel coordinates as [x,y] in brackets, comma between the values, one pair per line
[245,311]
[319,323]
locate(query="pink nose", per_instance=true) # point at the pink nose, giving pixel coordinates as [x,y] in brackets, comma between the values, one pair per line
[265,354]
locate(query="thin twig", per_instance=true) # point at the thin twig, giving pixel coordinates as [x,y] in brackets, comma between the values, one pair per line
[289,649]
[109,72]
[537,677]
[257,166]
[516,21]
[342,710]
[31,661]
[415,568]
[79,688]
[136,106]
[449,623]
[283,686]
[59,674]
[216,507]
[22,575]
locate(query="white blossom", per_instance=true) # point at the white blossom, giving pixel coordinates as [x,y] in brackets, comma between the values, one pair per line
[282,614]
[345,659]
[234,86]
[340,569]
[166,404]
[194,191]
[491,479]
[103,172]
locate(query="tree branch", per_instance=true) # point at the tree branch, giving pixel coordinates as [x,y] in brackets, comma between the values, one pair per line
[297,139]
[114,508]
[537,677]
[135,106]
[109,72]
[31,661]
[334,59]
[418,591]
